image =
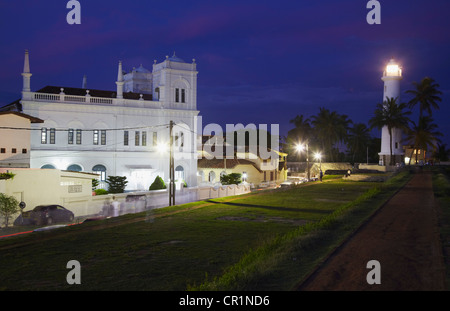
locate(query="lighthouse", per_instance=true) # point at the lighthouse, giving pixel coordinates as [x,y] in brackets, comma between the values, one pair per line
[392,76]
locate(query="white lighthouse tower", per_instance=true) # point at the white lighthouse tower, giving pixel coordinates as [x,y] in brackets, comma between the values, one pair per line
[391,77]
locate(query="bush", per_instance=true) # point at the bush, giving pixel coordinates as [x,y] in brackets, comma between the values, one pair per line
[231,179]
[183,181]
[8,207]
[95,183]
[116,184]
[100,191]
[158,184]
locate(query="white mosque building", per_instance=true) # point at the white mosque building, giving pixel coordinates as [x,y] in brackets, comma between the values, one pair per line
[124,132]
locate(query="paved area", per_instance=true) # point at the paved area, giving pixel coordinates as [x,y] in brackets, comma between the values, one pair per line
[403,237]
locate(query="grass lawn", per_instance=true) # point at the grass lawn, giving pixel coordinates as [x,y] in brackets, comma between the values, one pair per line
[276,236]
[441,187]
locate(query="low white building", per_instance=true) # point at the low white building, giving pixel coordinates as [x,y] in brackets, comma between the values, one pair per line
[124,132]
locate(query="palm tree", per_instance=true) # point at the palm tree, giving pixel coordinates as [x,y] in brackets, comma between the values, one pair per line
[426,95]
[330,128]
[442,153]
[358,140]
[423,135]
[390,114]
[300,134]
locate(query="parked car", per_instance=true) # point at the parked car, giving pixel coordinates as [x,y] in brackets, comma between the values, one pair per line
[47,215]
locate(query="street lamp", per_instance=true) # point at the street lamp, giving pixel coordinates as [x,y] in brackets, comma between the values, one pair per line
[300,148]
[318,156]
[162,148]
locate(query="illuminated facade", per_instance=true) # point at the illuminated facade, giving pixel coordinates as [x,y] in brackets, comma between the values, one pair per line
[117,133]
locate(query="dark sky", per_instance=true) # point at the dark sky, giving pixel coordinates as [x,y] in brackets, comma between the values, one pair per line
[260,62]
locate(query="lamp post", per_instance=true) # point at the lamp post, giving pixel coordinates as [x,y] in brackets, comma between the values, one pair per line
[162,148]
[171,170]
[300,148]
[318,156]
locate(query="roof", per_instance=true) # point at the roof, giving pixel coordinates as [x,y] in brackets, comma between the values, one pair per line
[141,69]
[220,163]
[23,115]
[175,58]
[95,93]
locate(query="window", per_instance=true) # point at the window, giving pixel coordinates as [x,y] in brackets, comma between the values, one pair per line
[48,167]
[144,138]
[44,135]
[2,150]
[70,137]
[181,141]
[396,145]
[183,95]
[52,136]
[155,139]
[125,138]
[24,150]
[95,137]
[137,138]
[74,168]
[13,150]
[177,95]
[100,169]
[179,173]
[103,137]
[78,137]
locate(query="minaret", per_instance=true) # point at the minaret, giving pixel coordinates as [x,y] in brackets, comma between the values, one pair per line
[84,86]
[120,82]
[391,78]
[26,73]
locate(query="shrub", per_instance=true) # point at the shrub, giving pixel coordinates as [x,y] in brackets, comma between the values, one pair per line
[231,179]
[158,184]
[100,191]
[8,207]
[116,184]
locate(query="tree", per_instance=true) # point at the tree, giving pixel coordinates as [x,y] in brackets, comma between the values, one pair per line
[358,141]
[95,184]
[117,184]
[231,179]
[426,94]
[423,135]
[330,128]
[300,134]
[442,153]
[390,114]
[8,207]
[158,184]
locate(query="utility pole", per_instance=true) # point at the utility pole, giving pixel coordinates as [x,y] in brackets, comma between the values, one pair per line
[171,170]
[307,160]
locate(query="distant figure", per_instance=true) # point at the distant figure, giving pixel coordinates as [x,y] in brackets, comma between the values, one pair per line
[320,175]
[348,173]
[115,205]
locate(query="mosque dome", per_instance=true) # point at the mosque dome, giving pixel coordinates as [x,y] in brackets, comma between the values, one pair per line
[175,58]
[141,69]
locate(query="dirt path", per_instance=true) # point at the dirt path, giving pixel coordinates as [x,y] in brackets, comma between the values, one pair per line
[403,237]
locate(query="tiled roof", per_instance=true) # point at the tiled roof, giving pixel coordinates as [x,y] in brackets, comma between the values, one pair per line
[23,115]
[220,163]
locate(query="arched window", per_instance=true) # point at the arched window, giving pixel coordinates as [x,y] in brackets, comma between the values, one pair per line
[74,168]
[179,173]
[101,170]
[212,177]
[48,167]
